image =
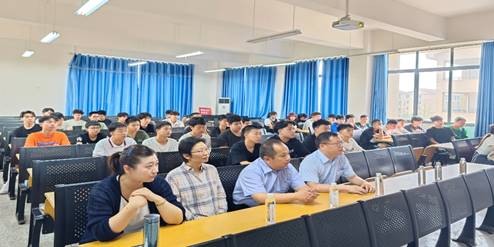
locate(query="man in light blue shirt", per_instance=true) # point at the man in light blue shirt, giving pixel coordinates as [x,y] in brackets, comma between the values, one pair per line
[327,164]
[271,173]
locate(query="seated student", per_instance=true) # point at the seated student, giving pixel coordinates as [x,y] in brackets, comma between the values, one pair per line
[271,121]
[320,126]
[415,125]
[233,134]
[60,119]
[174,121]
[438,133]
[246,151]
[196,184]
[117,205]
[484,153]
[116,142]
[28,125]
[391,127]
[145,119]
[198,130]
[328,164]
[315,116]
[47,111]
[271,173]
[400,127]
[93,134]
[339,119]
[368,137]
[48,136]
[222,126]
[186,120]
[134,131]
[246,121]
[363,122]
[350,119]
[301,118]
[94,116]
[162,141]
[286,133]
[345,132]
[76,121]
[331,119]
[102,117]
[458,128]
[122,117]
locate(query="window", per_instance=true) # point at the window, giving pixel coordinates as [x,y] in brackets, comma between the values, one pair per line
[434,82]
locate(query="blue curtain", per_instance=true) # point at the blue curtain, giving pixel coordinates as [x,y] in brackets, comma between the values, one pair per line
[485,102]
[379,93]
[334,95]
[250,90]
[104,83]
[300,91]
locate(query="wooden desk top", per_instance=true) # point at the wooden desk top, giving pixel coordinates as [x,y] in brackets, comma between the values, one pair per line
[50,204]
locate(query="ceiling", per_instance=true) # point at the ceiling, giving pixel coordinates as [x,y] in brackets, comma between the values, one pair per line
[450,8]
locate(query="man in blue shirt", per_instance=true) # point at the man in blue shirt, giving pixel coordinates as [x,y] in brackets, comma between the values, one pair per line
[327,164]
[271,173]
[339,120]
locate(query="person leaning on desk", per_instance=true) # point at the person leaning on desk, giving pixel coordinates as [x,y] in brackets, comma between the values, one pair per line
[118,204]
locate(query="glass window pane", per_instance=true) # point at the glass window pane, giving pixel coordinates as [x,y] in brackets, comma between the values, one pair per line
[400,61]
[433,94]
[400,95]
[468,55]
[434,58]
[464,97]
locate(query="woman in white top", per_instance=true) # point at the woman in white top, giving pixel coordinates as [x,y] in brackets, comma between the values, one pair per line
[345,131]
[485,150]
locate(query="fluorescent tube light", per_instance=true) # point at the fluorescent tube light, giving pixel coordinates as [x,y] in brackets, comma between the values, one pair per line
[137,63]
[276,36]
[90,6]
[196,53]
[52,36]
[27,53]
[214,70]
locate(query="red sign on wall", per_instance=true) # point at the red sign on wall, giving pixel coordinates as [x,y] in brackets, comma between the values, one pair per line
[205,111]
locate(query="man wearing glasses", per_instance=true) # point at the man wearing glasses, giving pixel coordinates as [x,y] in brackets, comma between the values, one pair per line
[327,164]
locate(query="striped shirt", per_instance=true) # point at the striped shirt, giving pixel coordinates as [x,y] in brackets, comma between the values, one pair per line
[201,194]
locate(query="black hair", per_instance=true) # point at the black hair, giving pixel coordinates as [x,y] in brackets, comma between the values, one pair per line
[362,116]
[272,114]
[339,117]
[143,115]
[331,116]
[325,137]
[162,124]
[175,113]
[47,109]
[375,121]
[115,125]
[282,124]
[250,127]
[436,118]
[92,123]
[234,118]
[315,114]
[392,121]
[416,118]
[27,112]
[131,120]
[130,156]
[93,112]
[221,117]
[58,116]
[267,148]
[168,112]
[77,111]
[122,114]
[349,116]
[102,112]
[344,126]
[245,119]
[46,118]
[185,146]
[301,115]
[197,121]
[320,122]
[194,113]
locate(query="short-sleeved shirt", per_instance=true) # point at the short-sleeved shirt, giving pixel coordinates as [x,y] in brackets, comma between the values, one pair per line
[296,148]
[259,177]
[310,143]
[317,168]
[360,126]
[239,153]
[140,136]
[106,147]
[23,132]
[441,135]
[227,138]
[40,139]
[460,133]
[177,124]
[170,146]
[351,146]
[206,137]
[71,123]
[411,129]
[86,140]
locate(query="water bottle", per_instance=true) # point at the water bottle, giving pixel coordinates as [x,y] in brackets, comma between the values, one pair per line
[438,172]
[270,203]
[379,184]
[151,228]
[334,196]
[421,175]
[463,166]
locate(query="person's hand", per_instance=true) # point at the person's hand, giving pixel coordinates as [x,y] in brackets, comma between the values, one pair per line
[137,202]
[368,187]
[354,189]
[146,193]
[306,194]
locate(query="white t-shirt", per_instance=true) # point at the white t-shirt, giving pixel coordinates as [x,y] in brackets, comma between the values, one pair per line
[487,146]
[136,223]
[170,146]
[106,147]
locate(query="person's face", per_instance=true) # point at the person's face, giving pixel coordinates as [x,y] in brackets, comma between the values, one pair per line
[145,121]
[316,117]
[236,127]
[364,120]
[292,118]
[416,124]
[303,119]
[145,171]
[93,130]
[119,134]
[347,132]
[77,116]
[461,123]
[173,117]
[94,117]
[223,123]
[351,120]
[198,130]
[47,113]
[199,153]
[332,148]
[391,126]
[101,117]
[164,131]
[331,119]
[438,123]
[254,136]
[49,125]
[133,127]
[28,119]
[281,158]
[274,117]
[321,129]
[288,132]
[340,121]
[376,125]
[245,123]
[121,119]
[401,124]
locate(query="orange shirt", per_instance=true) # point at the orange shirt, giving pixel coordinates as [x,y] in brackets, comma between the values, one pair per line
[39,139]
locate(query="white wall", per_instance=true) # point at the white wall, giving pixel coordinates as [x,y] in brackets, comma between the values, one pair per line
[359,85]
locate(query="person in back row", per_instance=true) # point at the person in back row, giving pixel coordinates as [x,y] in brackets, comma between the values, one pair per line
[345,132]
[363,122]
[371,135]
[233,134]
[118,204]
[102,117]
[116,142]
[122,117]
[93,134]
[162,141]
[174,121]
[271,121]
[271,173]
[145,119]
[438,133]
[320,126]
[28,125]
[94,116]
[286,133]
[134,131]
[458,128]
[197,130]
[60,119]
[315,116]
[48,136]
[76,121]
[196,184]
[415,125]
[221,128]
[328,164]
[246,151]
[339,119]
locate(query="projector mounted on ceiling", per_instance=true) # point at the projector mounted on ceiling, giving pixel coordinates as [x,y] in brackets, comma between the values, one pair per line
[346,23]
